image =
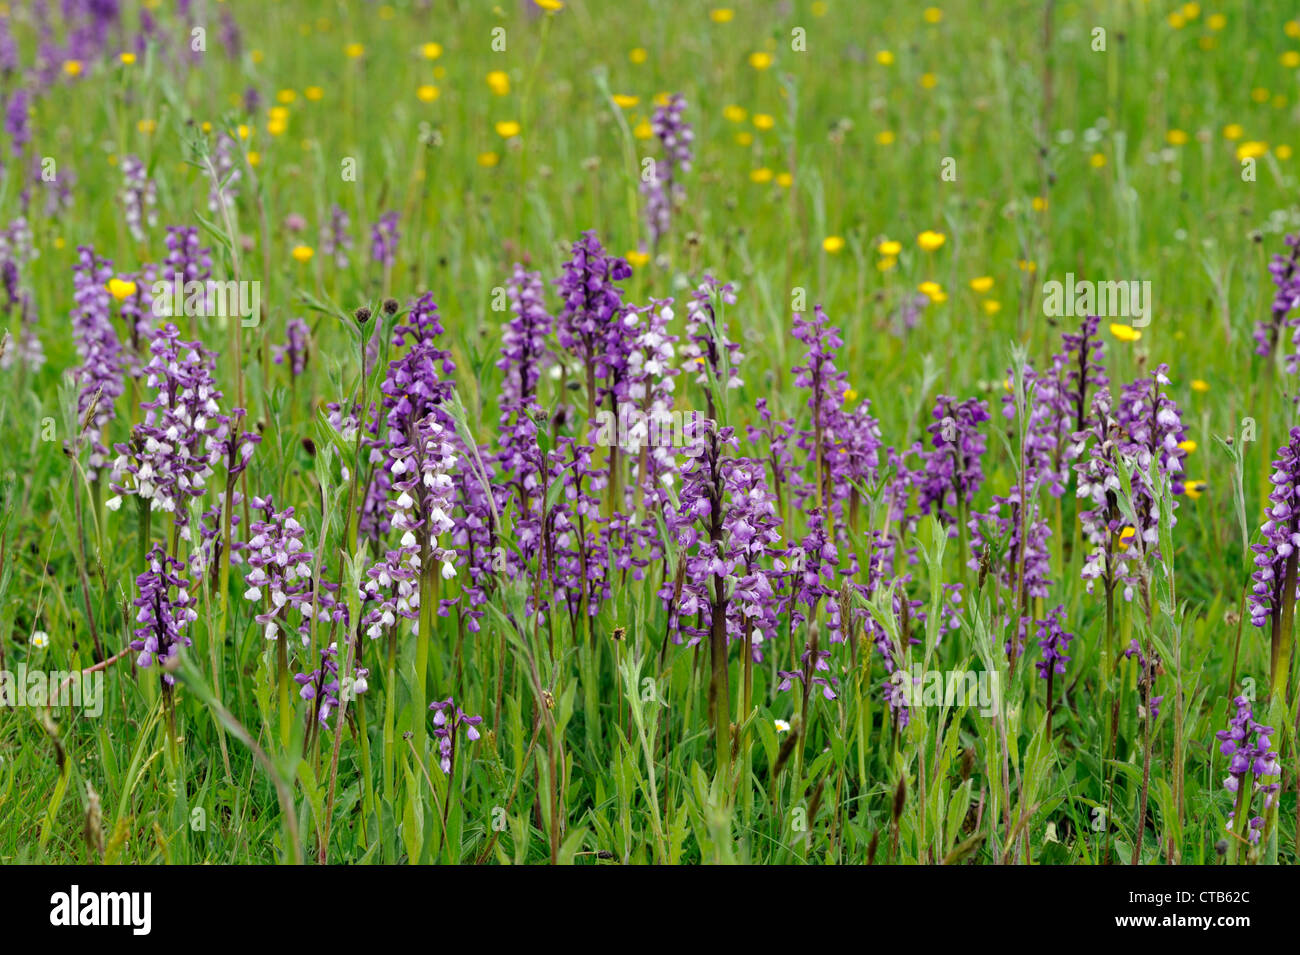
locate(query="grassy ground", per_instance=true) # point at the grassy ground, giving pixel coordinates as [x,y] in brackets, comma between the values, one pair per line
[822,132]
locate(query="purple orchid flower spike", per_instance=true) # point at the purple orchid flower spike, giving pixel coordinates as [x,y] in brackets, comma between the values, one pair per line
[1252,763]
[163,617]
[447,718]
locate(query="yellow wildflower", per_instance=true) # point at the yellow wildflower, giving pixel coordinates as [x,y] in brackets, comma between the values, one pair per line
[121,288]
[930,240]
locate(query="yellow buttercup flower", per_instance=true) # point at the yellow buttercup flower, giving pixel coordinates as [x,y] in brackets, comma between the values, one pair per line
[745,139]
[933,291]
[1282,152]
[890,248]
[760,60]
[286,96]
[761,175]
[431,51]
[1189,445]
[626,100]
[302,253]
[643,130]
[734,114]
[722,15]
[990,306]
[1125,333]
[932,14]
[930,240]
[885,58]
[488,160]
[1201,385]
[427,93]
[1291,59]
[982,284]
[147,126]
[929,81]
[550,6]
[127,58]
[1195,489]
[1251,150]
[1176,137]
[507,129]
[637,258]
[1233,131]
[638,55]
[120,288]
[887,263]
[499,82]
[72,67]
[885,137]
[819,8]
[833,244]
[254,158]
[314,93]
[784,180]
[1039,203]
[1097,160]
[354,50]
[763,121]
[276,127]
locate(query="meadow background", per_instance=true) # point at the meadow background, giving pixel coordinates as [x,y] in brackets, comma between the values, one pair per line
[817,167]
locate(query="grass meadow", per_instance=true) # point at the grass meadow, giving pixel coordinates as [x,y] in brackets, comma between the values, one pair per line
[654,432]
